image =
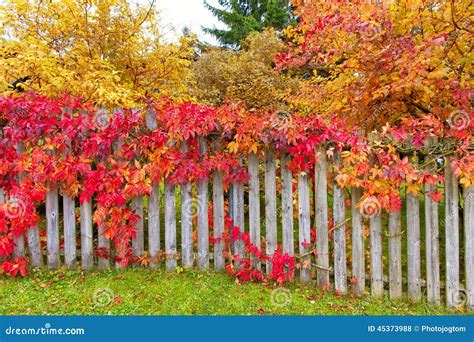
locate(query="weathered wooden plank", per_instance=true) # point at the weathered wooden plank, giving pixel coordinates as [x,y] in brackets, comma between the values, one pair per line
[187,205]
[138,243]
[270,206]
[395,255]
[432,237]
[339,215]
[69,221]
[19,248]
[469,244]
[104,245]
[452,235]
[254,205]
[170,227]
[154,226]
[287,205]
[87,256]
[413,247]
[32,233]
[218,210]
[358,245]
[321,213]
[52,228]
[304,215]
[150,118]
[69,214]
[376,264]
[239,217]
[154,242]
[203,216]
[34,246]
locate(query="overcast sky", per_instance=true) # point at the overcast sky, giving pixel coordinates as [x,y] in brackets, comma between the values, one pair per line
[187,13]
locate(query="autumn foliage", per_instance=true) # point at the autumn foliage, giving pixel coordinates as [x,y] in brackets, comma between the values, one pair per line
[377,100]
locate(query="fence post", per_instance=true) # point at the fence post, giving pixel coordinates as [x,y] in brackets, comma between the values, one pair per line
[69,215]
[52,228]
[321,200]
[170,227]
[19,248]
[376,264]
[287,205]
[86,235]
[452,235]
[139,240]
[153,207]
[104,244]
[304,227]
[239,216]
[32,233]
[270,206]
[413,247]
[358,245]
[218,207]
[154,226]
[432,235]
[69,212]
[395,255]
[339,215]
[254,205]
[469,244]
[203,216]
[186,222]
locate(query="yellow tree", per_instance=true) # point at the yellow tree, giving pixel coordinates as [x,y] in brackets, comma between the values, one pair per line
[110,52]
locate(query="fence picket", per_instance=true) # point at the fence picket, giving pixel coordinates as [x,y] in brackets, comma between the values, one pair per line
[86,236]
[104,246]
[187,255]
[254,204]
[452,235]
[413,247]
[270,206]
[339,215]
[432,237]
[395,255]
[69,219]
[287,205]
[376,264]
[358,257]
[69,215]
[321,208]
[138,243]
[154,242]
[218,207]
[19,248]
[239,216]
[469,244]
[154,226]
[304,215]
[203,216]
[170,227]
[52,228]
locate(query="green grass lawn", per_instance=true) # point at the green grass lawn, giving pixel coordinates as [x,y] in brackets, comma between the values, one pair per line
[146,292]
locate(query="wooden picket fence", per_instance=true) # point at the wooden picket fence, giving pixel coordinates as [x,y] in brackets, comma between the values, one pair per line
[348,256]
